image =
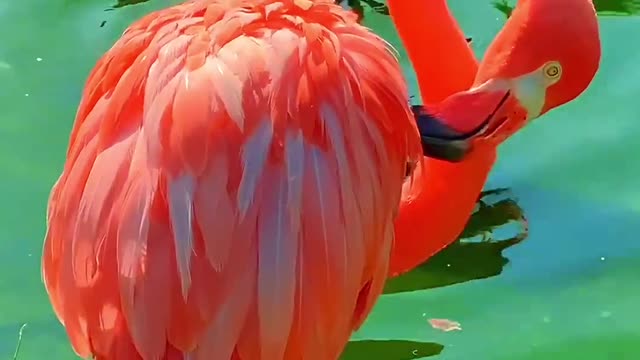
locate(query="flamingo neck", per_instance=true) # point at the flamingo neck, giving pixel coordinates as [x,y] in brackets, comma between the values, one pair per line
[435,210]
[443,60]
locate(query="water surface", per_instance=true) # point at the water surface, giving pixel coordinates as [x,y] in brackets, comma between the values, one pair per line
[568,291]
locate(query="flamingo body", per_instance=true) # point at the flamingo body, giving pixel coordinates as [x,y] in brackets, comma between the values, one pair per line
[230,185]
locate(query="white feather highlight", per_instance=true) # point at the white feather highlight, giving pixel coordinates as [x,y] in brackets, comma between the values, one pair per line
[254,154]
[352,244]
[180,199]
[278,249]
[335,135]
[228,87]
[214,211]
[294,153]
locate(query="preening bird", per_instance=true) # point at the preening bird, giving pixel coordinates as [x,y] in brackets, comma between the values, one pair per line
[230,184]
[546,55]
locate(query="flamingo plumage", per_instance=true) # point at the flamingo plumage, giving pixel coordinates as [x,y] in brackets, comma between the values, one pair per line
[546,55]
[210,176]
[230,185]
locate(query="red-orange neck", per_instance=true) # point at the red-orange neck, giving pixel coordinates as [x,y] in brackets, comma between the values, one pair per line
[442,59]
[435,211]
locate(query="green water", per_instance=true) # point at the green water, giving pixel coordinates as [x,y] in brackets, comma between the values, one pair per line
[566,292]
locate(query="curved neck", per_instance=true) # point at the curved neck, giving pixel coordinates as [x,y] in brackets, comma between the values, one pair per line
[435,210]
[442,59]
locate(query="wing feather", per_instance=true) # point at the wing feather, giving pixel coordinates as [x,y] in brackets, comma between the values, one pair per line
[278,251]
[254,156]
[214,211]
[230,185]
[180,198]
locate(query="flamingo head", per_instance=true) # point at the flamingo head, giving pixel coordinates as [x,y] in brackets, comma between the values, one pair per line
[546,55]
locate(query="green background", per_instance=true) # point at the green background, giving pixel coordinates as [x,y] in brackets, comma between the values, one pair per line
[571,290]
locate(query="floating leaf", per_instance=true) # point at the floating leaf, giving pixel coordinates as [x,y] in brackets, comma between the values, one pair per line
[445,325]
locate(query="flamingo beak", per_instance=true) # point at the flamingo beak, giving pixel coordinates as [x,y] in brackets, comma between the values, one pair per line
[440,141]
[449,131]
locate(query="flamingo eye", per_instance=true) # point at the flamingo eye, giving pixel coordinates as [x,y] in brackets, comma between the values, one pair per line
[552,71]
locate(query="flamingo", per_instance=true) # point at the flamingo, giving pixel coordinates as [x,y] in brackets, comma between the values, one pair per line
[230,184]
[546,55]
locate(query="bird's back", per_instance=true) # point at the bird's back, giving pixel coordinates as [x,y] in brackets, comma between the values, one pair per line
[230,185]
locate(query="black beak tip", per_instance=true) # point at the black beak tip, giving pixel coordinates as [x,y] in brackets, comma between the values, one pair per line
[451,151]
[439,141]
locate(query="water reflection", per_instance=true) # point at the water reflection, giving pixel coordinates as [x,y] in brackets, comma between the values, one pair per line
[390,350]
[629,7]
[503,6]
[476,255]
[122,3]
